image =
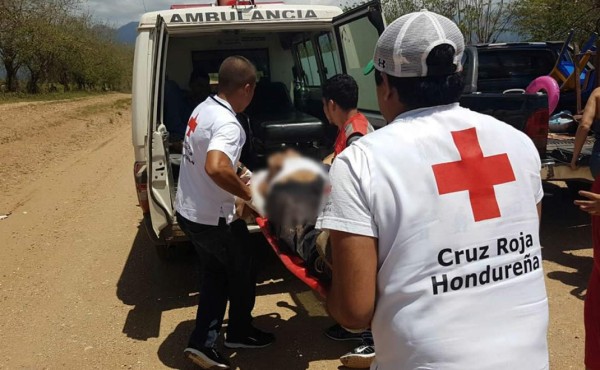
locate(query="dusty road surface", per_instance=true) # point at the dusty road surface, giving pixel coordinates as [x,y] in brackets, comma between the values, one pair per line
[82,287]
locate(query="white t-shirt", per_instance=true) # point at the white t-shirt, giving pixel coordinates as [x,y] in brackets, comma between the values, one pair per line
[212,126]
[460,283]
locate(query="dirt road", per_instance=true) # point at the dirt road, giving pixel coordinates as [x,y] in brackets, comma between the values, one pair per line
[81,286]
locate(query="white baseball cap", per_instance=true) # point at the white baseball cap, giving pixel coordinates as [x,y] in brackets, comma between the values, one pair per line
[404,46]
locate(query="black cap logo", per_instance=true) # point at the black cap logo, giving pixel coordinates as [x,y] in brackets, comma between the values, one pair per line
[381,63]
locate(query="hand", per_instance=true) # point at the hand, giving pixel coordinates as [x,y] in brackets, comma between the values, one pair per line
[574,165]
[591,206]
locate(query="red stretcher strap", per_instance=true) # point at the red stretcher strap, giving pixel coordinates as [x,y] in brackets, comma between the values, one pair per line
[293,263]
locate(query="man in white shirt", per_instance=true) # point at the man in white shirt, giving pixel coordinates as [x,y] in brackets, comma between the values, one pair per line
[434,219]
[205,205]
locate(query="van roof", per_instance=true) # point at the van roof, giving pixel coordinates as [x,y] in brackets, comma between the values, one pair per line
[228,15]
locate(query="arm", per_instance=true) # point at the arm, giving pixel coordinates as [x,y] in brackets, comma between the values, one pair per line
[351,300]
[218,168]
[589,114]
[329,159]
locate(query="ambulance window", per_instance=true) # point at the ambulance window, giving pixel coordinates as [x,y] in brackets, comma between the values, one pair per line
[330,58]
[358,40]
[306,54]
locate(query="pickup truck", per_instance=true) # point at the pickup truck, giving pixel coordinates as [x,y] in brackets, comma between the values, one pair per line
[295,49]
[514,65]
[526,112]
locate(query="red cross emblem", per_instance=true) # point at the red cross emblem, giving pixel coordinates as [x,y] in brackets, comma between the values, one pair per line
[192,126]
[475,173]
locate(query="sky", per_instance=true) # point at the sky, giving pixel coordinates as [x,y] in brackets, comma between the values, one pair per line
[119,12]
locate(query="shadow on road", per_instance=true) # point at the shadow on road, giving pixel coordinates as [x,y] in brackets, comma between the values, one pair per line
[153,286]
[564,231]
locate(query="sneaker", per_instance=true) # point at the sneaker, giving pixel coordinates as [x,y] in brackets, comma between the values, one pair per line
[337,332]
[256,339]
[206,358]
[359,358]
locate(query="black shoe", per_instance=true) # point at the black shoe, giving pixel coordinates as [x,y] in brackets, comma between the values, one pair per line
[255,339]
[336,332]
[206,358]
[360,357]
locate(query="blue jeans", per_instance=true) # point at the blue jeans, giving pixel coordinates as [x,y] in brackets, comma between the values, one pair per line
[227,273]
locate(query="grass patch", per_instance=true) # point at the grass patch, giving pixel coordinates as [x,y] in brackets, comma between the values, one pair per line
[100,107]
[54,96]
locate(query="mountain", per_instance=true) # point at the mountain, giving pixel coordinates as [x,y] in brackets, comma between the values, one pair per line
[127,33]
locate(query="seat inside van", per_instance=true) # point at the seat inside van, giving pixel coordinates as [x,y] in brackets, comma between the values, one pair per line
[275,121]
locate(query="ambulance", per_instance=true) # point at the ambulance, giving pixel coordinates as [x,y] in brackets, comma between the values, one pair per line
[294,47]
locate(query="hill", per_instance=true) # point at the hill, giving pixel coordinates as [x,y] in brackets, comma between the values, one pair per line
[127,33]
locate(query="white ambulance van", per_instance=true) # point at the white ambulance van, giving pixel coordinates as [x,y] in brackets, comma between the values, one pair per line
[295,49]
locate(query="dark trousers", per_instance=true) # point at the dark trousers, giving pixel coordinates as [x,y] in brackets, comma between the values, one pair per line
[227,265]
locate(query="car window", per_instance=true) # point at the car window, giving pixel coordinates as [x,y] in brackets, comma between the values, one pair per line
[308,60]
[330,57]
[358,40]
[515,64]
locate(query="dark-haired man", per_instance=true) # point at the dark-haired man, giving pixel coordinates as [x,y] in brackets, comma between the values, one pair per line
[340,100]
[205,207]
[422,214]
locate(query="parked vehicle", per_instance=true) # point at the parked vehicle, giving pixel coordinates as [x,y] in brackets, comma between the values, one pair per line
[295,49]
[515,65]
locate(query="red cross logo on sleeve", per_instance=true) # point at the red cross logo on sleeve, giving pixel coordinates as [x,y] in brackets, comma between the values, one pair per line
[192,124]
[474,173]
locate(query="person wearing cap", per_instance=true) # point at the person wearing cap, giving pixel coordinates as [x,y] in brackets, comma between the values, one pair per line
[434,219]
[340,101]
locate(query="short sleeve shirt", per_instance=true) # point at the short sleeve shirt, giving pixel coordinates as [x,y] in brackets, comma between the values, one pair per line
[212,126]
[451,195]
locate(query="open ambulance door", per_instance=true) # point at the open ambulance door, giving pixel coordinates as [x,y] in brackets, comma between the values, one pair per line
[160,179]
[357,32]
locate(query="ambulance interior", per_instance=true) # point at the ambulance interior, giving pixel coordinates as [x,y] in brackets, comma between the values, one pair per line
[287,110]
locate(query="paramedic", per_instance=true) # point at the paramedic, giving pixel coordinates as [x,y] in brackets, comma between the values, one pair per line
[340,100]
[205,210]
[434,219]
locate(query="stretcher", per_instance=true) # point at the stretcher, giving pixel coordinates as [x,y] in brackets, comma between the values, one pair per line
[293,263]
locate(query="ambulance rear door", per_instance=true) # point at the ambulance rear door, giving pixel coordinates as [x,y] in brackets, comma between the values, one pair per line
[160,179]
[357,32]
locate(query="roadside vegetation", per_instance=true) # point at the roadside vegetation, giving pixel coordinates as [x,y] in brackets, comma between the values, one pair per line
[488,21]
[49,46]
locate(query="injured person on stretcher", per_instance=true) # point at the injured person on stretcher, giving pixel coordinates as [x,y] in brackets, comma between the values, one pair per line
[289,193]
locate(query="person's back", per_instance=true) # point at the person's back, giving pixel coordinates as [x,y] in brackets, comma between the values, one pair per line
[439,213]
[461,281]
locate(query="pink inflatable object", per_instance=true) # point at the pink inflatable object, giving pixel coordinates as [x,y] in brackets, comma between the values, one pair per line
[550,86]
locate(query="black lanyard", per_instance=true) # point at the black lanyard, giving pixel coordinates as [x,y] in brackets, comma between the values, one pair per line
[237,117]
[223,105]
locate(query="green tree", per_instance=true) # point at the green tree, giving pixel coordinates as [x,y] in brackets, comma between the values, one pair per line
[481,21]
[541,20]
